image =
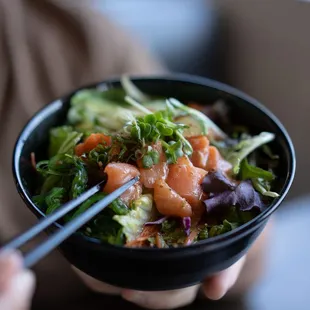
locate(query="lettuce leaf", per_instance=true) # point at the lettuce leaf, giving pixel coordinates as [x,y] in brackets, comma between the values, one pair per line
[263,187]
[92,108]
[132,90]
[205,122]
[106,229]
[260,178]
[248,171]
[63,140]
[245,147]
[135,219]
[222,228]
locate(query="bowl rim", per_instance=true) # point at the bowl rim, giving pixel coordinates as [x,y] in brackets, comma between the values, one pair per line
[214,242]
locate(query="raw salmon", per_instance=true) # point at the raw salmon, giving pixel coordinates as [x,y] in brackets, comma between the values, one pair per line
[158,171]
[200,145]
[185,179]
[118,174]
[168,202]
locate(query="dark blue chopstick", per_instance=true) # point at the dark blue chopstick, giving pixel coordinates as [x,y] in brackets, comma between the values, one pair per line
[40,251]
[71,227]
[50,219]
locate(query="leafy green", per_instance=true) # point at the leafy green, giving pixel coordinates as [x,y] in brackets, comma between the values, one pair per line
[263,187]
[135,219]
[87,204]
[238,152]
[172,233]
[79,182]
[133,91]
[58,165]
[260,178]
[251,172]
[158,126]
[222,228]
[100,154]
[63,140]
[267,150]
[92,108]
[206,123]
[64,171]
[59,168]
[177,236]
[50,201]
[50,182]
[150,158]
[117,206]
[169,226]
[203,233]
[57,136]
[107,230]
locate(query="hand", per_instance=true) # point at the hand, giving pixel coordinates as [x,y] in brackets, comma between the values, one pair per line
[214,288]
[16,283]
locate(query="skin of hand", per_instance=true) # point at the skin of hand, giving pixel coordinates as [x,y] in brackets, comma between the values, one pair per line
[214,288]
[16,283]
[235,281]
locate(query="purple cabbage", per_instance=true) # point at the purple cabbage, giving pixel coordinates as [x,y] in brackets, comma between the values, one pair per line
[186,221]
[158,222]
[216,182]
[243,195]
[224,194]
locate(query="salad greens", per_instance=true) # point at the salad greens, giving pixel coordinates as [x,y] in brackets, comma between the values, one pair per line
[118,133]
[135,219]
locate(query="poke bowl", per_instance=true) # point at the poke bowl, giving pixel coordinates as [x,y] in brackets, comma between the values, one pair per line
[214,165]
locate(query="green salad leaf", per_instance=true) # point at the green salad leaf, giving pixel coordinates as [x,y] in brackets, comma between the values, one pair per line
[205,122]
[50,201]
[251,172]
[238,152]
[135,219]
[133,91]
[222,228]
[203,233]
[107,230]
[260,178]
[63,140]
[117,206]
[263,187]
[92,109]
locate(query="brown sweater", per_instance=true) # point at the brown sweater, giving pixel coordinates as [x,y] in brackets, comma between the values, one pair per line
[48,48]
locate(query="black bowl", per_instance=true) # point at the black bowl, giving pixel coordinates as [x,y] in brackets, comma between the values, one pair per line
[147,268]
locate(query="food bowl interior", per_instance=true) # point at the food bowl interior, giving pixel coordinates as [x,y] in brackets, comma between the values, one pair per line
[174,267]
[243,111]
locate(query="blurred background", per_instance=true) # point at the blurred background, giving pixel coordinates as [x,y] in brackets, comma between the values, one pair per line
[262,48]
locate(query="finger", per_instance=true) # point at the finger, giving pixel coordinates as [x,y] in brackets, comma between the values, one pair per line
[96,285]
[10,264]
[18,293]
[163,299]
[218,285]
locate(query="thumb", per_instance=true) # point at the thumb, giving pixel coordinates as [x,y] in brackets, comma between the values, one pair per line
[16,283]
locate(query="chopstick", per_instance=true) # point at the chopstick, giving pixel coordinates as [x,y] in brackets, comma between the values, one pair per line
[51,218]
[71,227]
